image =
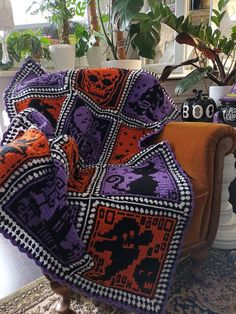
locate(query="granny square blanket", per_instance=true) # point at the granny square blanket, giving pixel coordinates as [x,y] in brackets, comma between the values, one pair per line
[84,190]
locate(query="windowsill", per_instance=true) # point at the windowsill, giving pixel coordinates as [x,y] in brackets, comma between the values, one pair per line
[176,76]
[10,73]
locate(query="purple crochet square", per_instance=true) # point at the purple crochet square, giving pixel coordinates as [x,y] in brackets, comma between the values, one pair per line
[32,87]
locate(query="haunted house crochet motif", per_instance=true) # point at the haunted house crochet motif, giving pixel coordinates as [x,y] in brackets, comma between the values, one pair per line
[85,192]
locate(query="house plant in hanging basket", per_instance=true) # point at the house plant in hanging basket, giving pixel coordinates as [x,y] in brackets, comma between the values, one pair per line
[60,12]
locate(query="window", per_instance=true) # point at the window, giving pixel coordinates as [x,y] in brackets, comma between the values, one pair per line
[23,19]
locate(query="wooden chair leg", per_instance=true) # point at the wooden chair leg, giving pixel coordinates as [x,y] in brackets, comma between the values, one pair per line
[199,257]
[63,306]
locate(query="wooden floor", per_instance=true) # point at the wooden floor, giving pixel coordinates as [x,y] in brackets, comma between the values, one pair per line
[16,269]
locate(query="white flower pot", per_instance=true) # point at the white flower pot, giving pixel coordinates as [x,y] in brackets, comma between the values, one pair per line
[126,64]
[95,56]
[81,62]
[216,92]
[63,56]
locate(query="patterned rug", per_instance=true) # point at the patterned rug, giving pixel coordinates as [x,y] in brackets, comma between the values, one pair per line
[209,290]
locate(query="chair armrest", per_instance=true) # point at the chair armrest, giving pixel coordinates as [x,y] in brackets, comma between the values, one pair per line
[200,148]
[195,145]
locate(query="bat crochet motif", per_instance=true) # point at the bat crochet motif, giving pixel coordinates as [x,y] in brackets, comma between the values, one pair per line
[18,147]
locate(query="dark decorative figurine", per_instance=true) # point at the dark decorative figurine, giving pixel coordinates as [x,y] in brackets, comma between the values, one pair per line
[200,108]
[226,113]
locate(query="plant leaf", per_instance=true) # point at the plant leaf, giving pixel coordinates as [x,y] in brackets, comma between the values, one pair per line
[190,80]
[215,20]
[185,38]
[141,17]
[146,26]
[217,13]
[146,43]
[123,12]
[222,4]
[170,68]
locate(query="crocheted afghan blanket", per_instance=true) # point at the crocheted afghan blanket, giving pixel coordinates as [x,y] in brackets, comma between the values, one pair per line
[85,191]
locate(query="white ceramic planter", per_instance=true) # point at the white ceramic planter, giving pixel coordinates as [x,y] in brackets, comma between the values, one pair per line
[216,92]
[126,64]
[226,233]
[81,63]
[63,56]
[95,56]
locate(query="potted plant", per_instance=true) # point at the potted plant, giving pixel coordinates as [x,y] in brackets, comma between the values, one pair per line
[116,28]
[23,44]
[27,43]
[84,40]
[212,48]
[96,51]
[60,13]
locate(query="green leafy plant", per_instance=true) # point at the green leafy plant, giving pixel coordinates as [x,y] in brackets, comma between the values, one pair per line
[28,43]
[145,29]
[60,12]
[117,22]
[84,39]
[212,48]
[129,26]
